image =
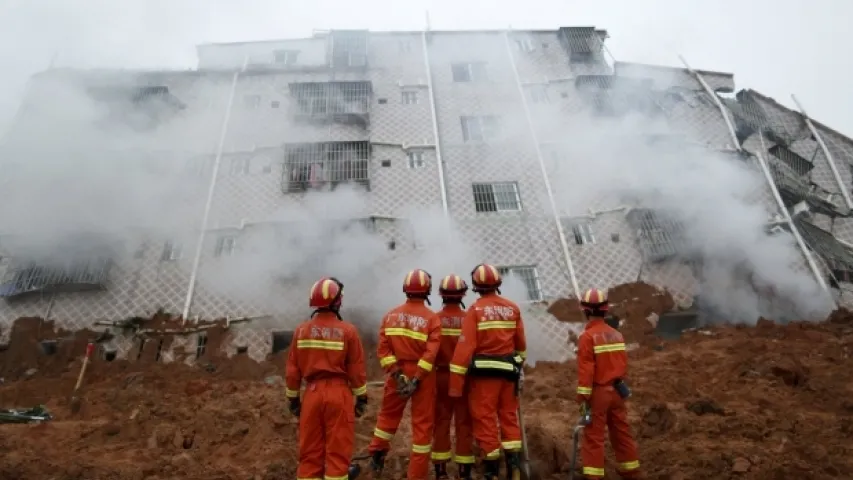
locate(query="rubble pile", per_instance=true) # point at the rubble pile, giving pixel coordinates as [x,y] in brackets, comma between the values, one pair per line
[763,402]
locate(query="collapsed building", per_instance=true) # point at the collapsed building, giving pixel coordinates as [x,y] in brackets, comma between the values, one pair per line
[471,122]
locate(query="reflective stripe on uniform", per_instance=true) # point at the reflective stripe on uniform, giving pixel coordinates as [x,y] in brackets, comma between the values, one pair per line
[425,365]
[440,456]
[451,332]
[609,347]
[494,365]
[494,454]
[466,459]
[386,361]
[291,393]
[496,324]
[584,390]
[458,369]
[383,435]
[512,445]
[593,472]
[309,478]
[405,332]
[421,448]
[523,354]
[362,390]
[627,466]
[342,477]
[320,344]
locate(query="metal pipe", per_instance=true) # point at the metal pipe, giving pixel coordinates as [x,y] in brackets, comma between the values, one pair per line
[529,117]
[438,160]
[826,152]
[210,191]
[767,176]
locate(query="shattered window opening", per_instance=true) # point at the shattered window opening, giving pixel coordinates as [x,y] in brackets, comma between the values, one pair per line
[529,276]
[496,197]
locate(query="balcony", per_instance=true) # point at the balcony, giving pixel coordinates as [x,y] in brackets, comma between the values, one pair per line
[794,188]
[23,278]
[585,45]
[660,236]
[324,166]
[344,102]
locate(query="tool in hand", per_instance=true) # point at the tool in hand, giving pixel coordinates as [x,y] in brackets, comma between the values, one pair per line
[526,473]
[584,420]
[75,398]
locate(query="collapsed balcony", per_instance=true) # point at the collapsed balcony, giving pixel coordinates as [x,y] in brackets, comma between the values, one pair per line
[660,236]
[25,277]
[751,117]
[345,102]
[838,256]
[794,189]
[324,166]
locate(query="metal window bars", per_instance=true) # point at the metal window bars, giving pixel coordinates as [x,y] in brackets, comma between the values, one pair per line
[800,165]
[496,197]
[49,276]
[583,44]
[337,101]
[660,236]
[528,275]
[317,166]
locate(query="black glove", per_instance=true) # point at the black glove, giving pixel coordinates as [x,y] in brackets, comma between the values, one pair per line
[409,389]
[295,407]
[402,382]
[360,406]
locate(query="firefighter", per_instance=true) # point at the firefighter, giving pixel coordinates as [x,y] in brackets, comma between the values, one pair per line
[452,290]
[328,355]
[602,366]
[491,351]
[409,339]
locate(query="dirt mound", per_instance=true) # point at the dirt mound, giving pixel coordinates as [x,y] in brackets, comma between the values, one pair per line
[770,401]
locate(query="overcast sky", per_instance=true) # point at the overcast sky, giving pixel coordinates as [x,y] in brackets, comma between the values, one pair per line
[776,47]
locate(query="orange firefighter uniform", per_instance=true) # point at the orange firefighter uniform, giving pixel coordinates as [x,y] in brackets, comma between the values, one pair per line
[328,355]
[490,352]
[409,339]
[602,366]
[449,410]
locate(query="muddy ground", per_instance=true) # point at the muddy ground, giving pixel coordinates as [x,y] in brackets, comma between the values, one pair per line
[765,402]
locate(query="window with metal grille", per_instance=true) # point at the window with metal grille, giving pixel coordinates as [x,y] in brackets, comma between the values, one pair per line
[529,276]
[660,235]
[469,72]
[172,251]
[285,57]
[225,245]
[410,97]
[240,166]
[583,233]
[315,165]
[80,272]
[538,93]
[800,165]
[416,159]
[480,129]
[496,197]
[332,98]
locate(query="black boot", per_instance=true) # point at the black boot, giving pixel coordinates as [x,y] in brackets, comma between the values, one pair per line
[377,461]
[513,465]
[492,469]
[464,471]
[441,471]
[354,471]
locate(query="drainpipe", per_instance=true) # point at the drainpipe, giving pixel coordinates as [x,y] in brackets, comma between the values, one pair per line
[556,214]
[767,176]
[826,153]
[441,179]
[210,191]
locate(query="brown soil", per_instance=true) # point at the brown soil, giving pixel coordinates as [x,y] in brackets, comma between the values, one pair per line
[769,402]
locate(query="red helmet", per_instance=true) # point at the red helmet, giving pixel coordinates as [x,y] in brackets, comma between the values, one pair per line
[594,302]
[452,286]
[485,277]
[326,293]
[417,282]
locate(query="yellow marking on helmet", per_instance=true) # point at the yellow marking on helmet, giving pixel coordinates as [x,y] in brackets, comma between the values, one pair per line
[422,277]
[326,285]
[445,282]
[409,277]
[481,273]
[495,272]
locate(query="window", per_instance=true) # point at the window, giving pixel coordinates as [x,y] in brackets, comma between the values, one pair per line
[524,44]
[528,276]
[469,72]
[200,344]
[583,234]
[538,94]
[240,166]
[172,251]
[251,101]
[225,246]
[285,57]
[496,197]
[416,159]
[479,129]
[410,97]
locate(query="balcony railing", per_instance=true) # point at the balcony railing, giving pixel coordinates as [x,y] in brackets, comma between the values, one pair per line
[28,277]
[660,236]
[324,166]
[346,102]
